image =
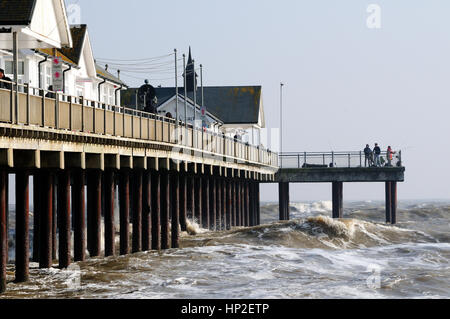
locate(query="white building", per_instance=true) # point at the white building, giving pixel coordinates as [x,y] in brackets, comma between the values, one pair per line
[82,76]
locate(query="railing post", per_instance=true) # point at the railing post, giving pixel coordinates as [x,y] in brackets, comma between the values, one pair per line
[82,113]
[70,113]
[57,110]
[360,158]
[28,103]
[104,119]
[332,158]
[349,161]
[43,108]
[114,119]
[305,158]
[94,108]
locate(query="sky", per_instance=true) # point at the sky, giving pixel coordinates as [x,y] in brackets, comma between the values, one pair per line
[346,85]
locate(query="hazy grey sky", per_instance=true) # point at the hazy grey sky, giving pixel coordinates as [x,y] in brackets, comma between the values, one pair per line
[346,84]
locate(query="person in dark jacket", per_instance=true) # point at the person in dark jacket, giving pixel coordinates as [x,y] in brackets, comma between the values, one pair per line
[377,154]
[50,94]
[369,156]
[4,85]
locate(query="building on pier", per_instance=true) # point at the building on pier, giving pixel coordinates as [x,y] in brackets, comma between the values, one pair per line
[232,110]
[81,75]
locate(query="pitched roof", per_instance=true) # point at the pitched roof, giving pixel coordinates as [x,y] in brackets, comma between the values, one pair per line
[230,104]
[16,12]
[78,33]
[101,72]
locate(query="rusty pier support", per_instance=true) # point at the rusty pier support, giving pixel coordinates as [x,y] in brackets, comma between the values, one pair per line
[388,202]
[156,209]
[36,211]
[78,212]
[124,206]
[205,203]
[165,208]
[183,200]
[223,206]
[212,203]
[3,229]
[218,204]
[137,211]
[198,200]
[338,199]
[190,187]
[233,203]
[146,212]
[46,222]
[94,209]
[229,204]
[283,192]
[393,203]
[258,203]
[22,218]
[63,211]
[238,203]
[175,208]
[110,191]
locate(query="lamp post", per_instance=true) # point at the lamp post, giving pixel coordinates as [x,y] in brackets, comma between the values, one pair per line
[281,124]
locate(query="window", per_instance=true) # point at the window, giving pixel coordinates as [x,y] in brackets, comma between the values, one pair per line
[9,68]
[48,77]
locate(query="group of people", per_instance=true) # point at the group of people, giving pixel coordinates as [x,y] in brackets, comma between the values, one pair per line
[374,158]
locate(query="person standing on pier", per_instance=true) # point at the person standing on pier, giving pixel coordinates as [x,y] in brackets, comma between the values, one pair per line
[377,154]
[4,85]
[369,158]
[390,155]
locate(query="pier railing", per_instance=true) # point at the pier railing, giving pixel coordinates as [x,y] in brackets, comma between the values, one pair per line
[55,110]
[337,160]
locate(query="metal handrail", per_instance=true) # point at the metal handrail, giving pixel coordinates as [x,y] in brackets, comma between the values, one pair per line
[341,159]
[245,154]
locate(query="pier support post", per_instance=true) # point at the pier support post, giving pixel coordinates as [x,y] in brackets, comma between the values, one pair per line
[283,194]
[137,211]
[225,219]
[146,212]
[212,203]
[94,210]
[229,203]
[388,202]
[198,202]
[124,207]
[338,200]
[165,208]
[36,211]
[251,195]
[393,203]
[233,203]
[219,204]
[110,190]
[175,207]
[238,203]
[205,203]
[63,212]
[46,222]
[190,196]
[242,187]
[183,200]
[78,211]
[3,229]
[22,218]
[258,204]
[156,210]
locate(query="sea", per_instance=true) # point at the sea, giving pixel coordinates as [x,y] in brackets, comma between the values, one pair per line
[311,256]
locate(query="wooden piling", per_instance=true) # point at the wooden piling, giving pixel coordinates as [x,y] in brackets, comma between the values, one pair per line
[247,204]
[36,210]
[54,217]
[63,211]
[258,204]
[3,229]
[284,200]
[338,200]
[156,209]
[183,200]
[218,204]
[252,204]
[238,203]
[223,209]
[205,203]
[94,209]
[124,207]
[22,218]
[393,203]
[137,211]
[165,209]
[175,208]
[146,212]
[242,188]
[79,211]
[388,202]
[233,203]
[46,221]
[110,191]
[229,204]
[198,200]
[212,203]
[190,196]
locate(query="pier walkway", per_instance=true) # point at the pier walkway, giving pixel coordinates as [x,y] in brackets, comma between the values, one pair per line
[338,168]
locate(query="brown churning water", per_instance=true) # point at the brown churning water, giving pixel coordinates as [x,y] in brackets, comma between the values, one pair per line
[311,256]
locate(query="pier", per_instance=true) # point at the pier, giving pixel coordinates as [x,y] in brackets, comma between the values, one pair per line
[164,173]
[337,168]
